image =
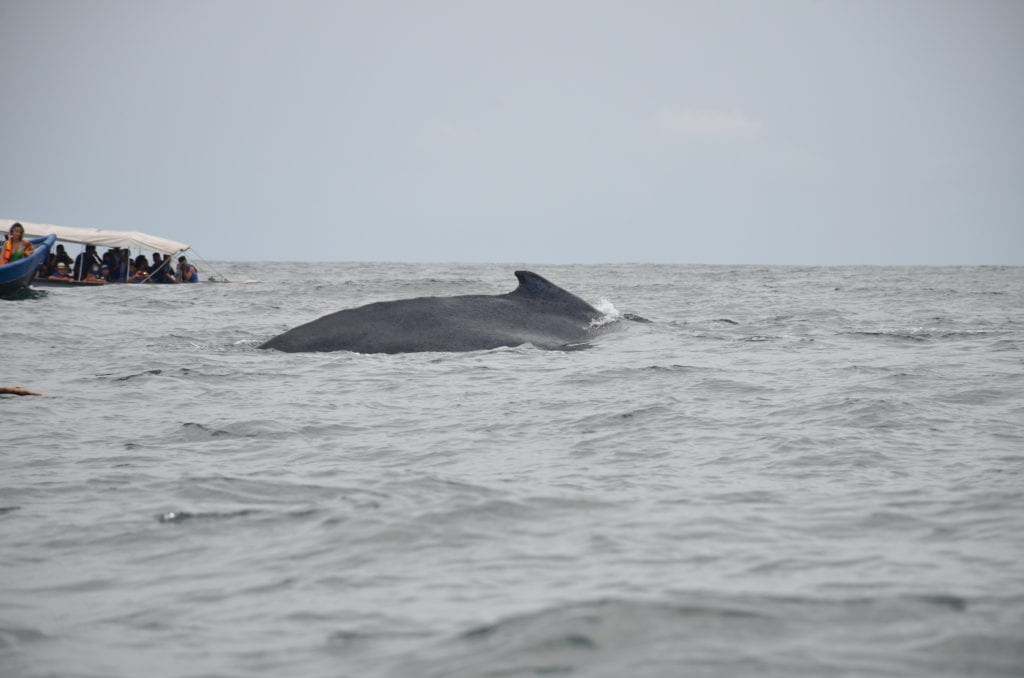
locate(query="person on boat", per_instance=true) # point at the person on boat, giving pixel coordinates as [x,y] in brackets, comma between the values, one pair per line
[187,273]
[154,269]
[105,273]
[108,258]
[140,274]
[119,271]
[167,273]
[140,270]
[84,262]
[161,269]
[48,268]
[61,273]
[93,276]
[62,255]
[15,247]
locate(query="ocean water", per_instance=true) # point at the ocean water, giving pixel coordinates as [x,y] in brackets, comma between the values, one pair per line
[786,472]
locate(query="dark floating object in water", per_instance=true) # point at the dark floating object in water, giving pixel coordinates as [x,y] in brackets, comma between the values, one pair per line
[17,390]
[537,312]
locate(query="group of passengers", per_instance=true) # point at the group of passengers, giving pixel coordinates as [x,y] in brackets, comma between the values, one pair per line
[116,264]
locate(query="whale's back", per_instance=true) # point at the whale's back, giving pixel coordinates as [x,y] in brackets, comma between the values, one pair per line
[537,312]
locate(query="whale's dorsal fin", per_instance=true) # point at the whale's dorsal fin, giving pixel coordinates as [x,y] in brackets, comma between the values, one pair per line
[539,287]
[534,285]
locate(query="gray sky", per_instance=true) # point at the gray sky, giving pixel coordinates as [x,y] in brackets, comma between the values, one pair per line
[855,132]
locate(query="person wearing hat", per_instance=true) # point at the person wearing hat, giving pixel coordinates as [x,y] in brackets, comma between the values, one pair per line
[61,274]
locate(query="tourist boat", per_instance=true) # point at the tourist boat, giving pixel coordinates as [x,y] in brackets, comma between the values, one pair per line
[18,275]
[48,233]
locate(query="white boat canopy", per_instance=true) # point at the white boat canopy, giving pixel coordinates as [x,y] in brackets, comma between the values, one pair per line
[100,237]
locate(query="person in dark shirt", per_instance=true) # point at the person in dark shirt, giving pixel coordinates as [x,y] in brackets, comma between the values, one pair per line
[161,269]
[47,268]
[109,260]
[84,262]
[63,256]
[119,272]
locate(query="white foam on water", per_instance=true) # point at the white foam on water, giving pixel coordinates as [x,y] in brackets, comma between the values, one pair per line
[609,313]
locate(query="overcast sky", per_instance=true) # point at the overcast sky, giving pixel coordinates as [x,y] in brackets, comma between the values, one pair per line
[786,132]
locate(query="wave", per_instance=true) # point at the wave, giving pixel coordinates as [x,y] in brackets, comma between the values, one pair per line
[920,334]
[718,634]
[26,294]
[192,431]
[183,516]
[13,637]
[135,375]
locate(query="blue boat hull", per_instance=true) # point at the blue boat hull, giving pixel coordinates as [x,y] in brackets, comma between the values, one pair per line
[18,275]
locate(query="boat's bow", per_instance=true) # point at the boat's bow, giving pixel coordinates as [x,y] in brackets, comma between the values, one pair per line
[19,274]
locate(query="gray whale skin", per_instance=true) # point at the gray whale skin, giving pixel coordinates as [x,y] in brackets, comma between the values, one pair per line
[537,312]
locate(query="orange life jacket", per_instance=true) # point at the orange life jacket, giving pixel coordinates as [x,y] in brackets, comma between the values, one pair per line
[8,251]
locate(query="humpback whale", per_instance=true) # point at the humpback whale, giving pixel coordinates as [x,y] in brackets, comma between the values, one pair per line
[537,312]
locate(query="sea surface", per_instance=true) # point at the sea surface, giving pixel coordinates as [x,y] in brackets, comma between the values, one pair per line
[785,472]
